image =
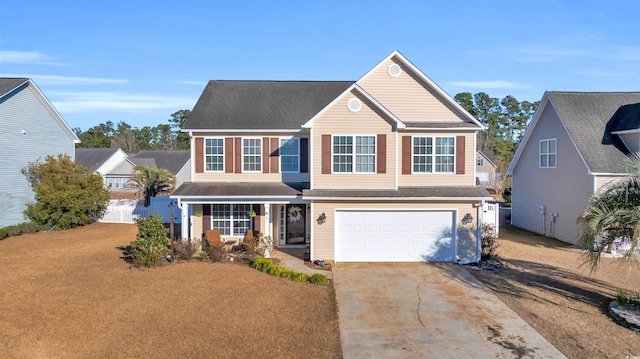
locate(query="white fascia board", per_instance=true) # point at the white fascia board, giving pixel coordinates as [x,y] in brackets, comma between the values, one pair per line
[527,134]
[608,174]
[215,130]
[232,199]
[398,199]
[626,132]
[407,129]
[426,79]
[56,114]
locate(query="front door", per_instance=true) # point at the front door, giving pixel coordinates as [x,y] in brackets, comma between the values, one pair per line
[293,228]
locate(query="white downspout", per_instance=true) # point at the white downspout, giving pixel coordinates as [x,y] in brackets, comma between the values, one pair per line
[480,219]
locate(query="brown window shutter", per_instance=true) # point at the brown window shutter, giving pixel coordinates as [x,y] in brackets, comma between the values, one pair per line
[326,154]
[460,155]
[265,155]
[228,155]
[237,154]
[199,155]
[381,165]
[406,155]
[206,217]
[304,155]
[275,156]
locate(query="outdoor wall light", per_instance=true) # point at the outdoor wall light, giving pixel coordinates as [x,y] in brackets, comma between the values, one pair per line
[468,218]
[322,218]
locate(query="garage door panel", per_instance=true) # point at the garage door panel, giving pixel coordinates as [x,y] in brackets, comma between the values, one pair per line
[394,236]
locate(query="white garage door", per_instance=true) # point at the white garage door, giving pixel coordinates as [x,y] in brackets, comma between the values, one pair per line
[395,236]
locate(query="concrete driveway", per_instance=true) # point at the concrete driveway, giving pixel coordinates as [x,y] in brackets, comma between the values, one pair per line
[418,310]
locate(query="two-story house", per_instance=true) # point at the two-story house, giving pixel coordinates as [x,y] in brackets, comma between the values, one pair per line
[32,129]
[377,170]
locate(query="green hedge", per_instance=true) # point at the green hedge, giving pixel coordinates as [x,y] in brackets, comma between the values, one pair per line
[22,228]
[265,265]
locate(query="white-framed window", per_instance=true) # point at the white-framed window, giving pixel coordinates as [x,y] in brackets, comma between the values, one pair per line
[252,154]
[214,154]
[354,154]
[289,155]
[116,182]
[548,153]
[434,154]
[231,219]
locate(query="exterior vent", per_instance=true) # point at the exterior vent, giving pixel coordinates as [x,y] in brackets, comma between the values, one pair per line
[394,70]
[354,105]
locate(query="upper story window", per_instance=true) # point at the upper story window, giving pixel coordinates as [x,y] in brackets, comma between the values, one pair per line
[354,154]
[479,161]
[214,154]
[252,154]
[434,154]
[548,153]
[289,155]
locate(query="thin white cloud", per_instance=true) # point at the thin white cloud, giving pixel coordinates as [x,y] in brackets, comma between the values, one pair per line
[83,102]
[495,84]
[21,57]
[67,80]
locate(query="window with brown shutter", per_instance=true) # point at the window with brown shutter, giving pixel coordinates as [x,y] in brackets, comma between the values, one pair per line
[275,160]
[326,154]
[460,155]
[265,155]
[199,155]
[304,155]
[228,155]
[406,155]
[237,154]
[381,165]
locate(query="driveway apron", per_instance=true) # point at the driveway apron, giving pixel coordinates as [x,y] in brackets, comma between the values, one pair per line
[418,310]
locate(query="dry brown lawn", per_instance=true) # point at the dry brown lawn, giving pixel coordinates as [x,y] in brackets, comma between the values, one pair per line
[69,294]
[546,285]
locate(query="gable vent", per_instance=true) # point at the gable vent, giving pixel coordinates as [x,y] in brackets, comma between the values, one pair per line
[394,70]
[354,105]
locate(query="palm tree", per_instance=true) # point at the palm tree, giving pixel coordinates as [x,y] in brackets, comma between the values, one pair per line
[613,214]
[152,181]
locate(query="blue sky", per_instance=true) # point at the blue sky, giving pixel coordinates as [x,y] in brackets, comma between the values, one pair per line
[139,61]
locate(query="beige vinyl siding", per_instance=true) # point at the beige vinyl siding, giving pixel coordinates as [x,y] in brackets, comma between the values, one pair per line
[407,96]
[340,121]
[602,181]
[323,234]
[248,176]
[565,189]
[440,179]
[197,222]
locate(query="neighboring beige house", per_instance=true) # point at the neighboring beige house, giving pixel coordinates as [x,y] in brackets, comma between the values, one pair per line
[32,129]
[576,143]
[485,169]
[377,170]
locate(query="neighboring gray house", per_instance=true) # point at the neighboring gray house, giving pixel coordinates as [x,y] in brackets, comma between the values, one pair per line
[176,161]
[113,164]
[116,166]
[576,143]
[31,130]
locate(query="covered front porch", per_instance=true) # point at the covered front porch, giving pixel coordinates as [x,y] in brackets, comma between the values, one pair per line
[275,210]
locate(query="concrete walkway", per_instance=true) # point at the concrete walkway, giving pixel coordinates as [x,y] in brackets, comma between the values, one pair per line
[422,310]
[293,259]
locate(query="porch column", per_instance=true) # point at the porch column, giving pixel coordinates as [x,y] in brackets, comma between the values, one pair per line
[185,225]
[268,228]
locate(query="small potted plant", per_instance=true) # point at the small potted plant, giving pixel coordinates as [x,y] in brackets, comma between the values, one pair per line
[198,213]
[251,213]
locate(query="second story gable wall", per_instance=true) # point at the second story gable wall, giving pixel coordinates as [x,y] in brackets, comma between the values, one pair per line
[417,169]
[407,96]
[250,157]
[563,188]
[366,124]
